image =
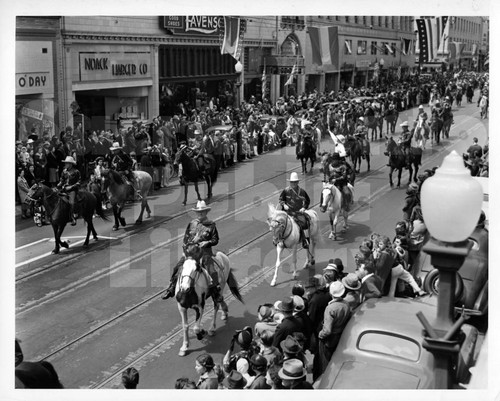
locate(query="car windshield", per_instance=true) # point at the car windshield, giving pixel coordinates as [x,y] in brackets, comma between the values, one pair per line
[389,344]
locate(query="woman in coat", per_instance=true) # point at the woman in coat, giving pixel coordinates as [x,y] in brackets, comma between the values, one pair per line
[23,189]
[204,366]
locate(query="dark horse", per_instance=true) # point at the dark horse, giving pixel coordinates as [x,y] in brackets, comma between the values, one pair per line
[57,209]
[357,149]
[120,191]
[192,173]
[304,151]
[397,160]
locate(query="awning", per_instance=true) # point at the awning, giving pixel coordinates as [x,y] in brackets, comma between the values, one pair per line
[133,83]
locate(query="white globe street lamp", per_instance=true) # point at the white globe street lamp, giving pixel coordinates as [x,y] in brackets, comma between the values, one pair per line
[451,203]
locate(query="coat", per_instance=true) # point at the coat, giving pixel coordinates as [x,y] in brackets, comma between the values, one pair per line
[23,188]
[287,327]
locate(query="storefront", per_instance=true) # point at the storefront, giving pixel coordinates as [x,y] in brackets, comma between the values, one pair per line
[112,85]
[192,70]
[35,104]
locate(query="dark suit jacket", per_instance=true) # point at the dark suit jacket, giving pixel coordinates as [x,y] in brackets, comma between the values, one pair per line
[371,288]
[288,326]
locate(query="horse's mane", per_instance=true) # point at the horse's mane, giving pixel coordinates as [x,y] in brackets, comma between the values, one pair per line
[116,176]
[273,210]
[189,263]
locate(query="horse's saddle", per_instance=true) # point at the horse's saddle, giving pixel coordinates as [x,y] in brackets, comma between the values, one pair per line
[303,220]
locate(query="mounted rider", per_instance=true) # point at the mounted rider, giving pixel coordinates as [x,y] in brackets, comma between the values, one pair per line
[70,184]
[405,142]
[123,164]
[295,201]
[206,152]
[202,232]
[339,176]
[309,134]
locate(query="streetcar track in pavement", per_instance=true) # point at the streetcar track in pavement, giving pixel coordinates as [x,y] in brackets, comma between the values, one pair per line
[125,263]
[69,259]
[176,333]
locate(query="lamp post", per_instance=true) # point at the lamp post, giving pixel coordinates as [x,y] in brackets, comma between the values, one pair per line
[451,205]
[238,67]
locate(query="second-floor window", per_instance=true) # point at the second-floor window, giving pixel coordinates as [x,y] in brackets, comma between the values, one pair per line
[361,47]
[373,48]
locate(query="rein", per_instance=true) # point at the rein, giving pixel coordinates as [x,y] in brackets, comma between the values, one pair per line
[285,226]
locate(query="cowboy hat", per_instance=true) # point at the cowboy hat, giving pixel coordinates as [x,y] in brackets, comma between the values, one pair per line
[201,206]
[341,138]
[404,124]
[351,282]
[69,159]
[234,380]
[294,177]
[115,146]
[337,289]
[361,119]
[331,266]
[292,369]
[421,106]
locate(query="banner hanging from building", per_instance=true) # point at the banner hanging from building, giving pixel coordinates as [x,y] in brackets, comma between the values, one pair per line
[233,37]
[325,47]
[432,32]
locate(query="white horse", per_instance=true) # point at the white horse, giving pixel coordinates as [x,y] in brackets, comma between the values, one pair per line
[286,234]
[331,200]
[191,291]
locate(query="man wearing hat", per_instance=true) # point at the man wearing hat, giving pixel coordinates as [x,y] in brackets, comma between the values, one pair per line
[259,365]
[308,133]
[293,375]
[248,348]
[289,325]
[205,155]
[123,163]
[352,287]
[405,142]
[338,174]
[295,201]
[234,381]
[391,116]
[412,200]
[70,183]
[203,232]
[336,316]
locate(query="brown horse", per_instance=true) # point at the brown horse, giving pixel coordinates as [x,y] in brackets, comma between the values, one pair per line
[119,192]
[57,210]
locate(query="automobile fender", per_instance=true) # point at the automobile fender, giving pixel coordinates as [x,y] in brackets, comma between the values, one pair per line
[430,284]
[481,303]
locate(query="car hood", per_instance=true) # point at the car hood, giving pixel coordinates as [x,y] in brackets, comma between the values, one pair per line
[365,375]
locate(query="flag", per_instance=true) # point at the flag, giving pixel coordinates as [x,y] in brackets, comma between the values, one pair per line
[389,48]
[432,32]
[398,73]
[325,46]
[456,50]
[292,74]
[406,46]
[233,37]
[375,71]
[474,49]
[264,82]
[348,46]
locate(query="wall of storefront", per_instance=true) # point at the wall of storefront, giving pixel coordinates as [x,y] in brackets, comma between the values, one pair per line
[36,83]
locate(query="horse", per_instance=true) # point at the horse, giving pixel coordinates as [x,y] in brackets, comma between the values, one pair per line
[304,151]
[374,123]
[391,117]
[192,173]
[447,121]
[286,234]
[120,191]
[357,149]
[333,200]
[326,159]
[57,210]
[192,291]
[420,137]
[436,127]
[397,160]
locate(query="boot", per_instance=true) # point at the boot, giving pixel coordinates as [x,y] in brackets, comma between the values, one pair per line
[73,219]
[305,242]
[216,292]
[170,291]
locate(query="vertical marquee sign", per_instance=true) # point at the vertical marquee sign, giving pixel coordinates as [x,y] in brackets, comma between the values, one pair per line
[194,24]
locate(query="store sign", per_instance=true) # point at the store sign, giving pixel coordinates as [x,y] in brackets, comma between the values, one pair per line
[33,82]
[194,24]
[362,63]
[109,66]
[31,113]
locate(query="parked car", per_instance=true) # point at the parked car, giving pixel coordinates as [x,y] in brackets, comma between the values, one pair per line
[472,278]
[381,348]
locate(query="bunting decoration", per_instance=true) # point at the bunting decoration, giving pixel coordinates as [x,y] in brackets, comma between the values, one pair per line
[264,82]
[234,29]
[376,71]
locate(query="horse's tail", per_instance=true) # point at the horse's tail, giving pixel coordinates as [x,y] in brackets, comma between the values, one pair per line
[233,286]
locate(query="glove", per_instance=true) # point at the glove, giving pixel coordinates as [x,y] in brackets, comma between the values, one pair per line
[286,207]
[302,210]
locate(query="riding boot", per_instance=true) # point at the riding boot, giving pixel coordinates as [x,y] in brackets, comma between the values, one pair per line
[72,215]
[305,242]
[170,291]
[215,289]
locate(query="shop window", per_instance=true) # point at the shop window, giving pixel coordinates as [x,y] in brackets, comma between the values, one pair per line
[373,48]
[361,47]
[347,19]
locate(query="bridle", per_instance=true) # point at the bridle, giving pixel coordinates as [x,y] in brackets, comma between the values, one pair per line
[325,202]
[280,229]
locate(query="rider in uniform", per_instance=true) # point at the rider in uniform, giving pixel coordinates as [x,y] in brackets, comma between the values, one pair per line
[123,164]
[203,232]
[70,183]
[308,134]
[405,142]
[295,201]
